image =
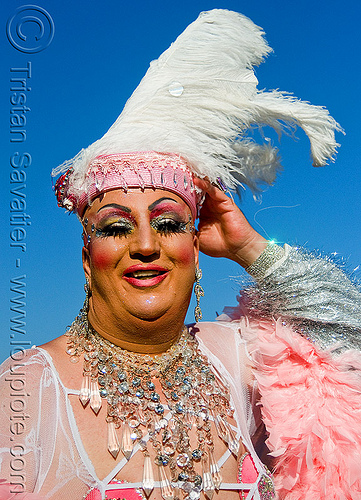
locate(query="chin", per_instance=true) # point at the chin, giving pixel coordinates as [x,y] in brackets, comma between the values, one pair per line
[148,318]
[153,312]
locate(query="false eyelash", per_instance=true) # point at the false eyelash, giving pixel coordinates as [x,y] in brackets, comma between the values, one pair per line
[168,226]
[114,229]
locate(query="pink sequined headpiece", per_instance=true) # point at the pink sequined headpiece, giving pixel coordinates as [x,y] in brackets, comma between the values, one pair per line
[147,169]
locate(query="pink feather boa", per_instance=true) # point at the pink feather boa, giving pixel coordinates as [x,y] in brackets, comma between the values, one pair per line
[311,406]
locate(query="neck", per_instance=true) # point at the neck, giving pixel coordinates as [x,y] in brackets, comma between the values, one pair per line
[154,348]
[138,335]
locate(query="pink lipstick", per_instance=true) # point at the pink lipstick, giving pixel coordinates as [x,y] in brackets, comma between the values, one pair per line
[145,276]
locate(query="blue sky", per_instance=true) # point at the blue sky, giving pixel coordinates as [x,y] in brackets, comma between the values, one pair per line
[80,83]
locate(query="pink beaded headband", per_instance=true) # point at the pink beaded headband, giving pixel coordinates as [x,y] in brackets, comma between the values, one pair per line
[147,169]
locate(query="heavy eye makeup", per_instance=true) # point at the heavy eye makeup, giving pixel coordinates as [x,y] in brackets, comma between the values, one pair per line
[115,224]
[168,224]
[168,219]
[165,219]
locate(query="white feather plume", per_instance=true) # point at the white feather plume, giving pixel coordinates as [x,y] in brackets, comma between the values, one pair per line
[200,98]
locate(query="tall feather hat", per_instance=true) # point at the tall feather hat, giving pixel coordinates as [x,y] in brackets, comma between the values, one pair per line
[191,115]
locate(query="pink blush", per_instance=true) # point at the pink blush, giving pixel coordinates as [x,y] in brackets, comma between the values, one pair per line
[101,258]
[186,254]
[101,261]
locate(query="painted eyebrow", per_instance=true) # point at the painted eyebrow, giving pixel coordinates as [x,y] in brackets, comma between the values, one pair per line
[115,205]
[155,203]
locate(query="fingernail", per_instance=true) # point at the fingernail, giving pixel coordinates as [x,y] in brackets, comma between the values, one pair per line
[221,184]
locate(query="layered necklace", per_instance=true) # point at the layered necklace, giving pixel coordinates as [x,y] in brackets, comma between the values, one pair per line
[194,393]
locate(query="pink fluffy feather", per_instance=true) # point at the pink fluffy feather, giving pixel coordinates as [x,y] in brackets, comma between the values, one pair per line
[312,409]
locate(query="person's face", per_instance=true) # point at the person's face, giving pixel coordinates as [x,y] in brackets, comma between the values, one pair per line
[142,254]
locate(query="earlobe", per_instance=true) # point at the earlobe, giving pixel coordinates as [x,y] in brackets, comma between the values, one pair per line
[196,249]
[86,263]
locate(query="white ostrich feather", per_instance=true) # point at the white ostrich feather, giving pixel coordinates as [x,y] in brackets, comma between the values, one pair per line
[200,98]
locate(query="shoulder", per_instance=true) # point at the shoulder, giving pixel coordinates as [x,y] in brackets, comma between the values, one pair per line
[27,373]
[57,350]
[24,360]
[223,344]
[216,332]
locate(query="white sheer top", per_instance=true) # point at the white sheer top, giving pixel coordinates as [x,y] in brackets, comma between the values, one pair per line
[39,433]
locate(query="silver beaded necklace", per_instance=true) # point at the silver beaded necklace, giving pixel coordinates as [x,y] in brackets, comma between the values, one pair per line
[194,393]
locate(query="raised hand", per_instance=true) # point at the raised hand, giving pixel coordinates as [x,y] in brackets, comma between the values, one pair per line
[223,230]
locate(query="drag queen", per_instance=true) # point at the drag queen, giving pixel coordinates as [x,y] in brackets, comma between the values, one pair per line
[130,403]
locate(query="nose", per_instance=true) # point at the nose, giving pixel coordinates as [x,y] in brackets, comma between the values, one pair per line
[144,243]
